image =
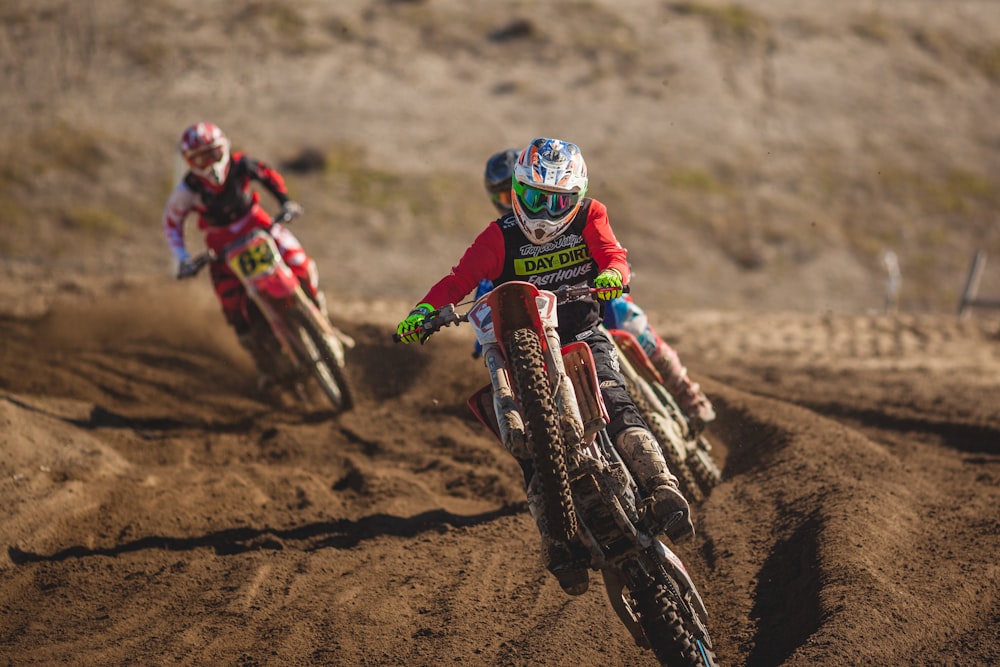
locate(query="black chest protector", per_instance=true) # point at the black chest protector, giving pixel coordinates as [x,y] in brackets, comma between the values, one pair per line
[564,260]
[229,204]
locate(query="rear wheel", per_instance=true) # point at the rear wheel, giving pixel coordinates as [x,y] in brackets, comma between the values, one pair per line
[705,471]
[534,396]
[699,458]
[321,362]
[660,428]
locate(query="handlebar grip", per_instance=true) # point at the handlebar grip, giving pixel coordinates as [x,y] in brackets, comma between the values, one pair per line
[434,322]
[286,216]
[196,264]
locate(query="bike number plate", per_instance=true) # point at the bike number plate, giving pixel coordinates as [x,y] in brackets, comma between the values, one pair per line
[253,259]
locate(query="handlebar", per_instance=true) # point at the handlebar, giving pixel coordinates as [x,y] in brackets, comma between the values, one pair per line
[194,265]
[447,316]
[285,216]
[437,320]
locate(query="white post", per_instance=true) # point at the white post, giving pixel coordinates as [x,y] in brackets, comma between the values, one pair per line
[893,280]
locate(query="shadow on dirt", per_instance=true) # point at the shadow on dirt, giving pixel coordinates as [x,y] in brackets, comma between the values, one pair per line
[343,534]
[381,368]
[786,600]
[972,438]
[101,417]
[745,437]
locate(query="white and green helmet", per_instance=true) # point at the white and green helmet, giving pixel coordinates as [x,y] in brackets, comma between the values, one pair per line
[549,182]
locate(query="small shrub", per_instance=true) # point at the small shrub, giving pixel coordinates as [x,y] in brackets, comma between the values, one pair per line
[149,54]
[518,28]
[94,221]
[874,27]
[987,61]
[934,42]
[285,19]
[696,180]
[727,22]
[439,201]
[61,146]
[960,191]
[15,218]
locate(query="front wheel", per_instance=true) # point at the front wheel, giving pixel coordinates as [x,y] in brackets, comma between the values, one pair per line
[316,355]
[668,628]
[534,395]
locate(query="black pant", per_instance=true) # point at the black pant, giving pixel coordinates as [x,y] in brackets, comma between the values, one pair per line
[621,409]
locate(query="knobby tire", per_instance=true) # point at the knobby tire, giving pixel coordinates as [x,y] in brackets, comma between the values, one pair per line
[699,457]
[703,466]
[672,643]
[534,394]
[686,479]
[323,368]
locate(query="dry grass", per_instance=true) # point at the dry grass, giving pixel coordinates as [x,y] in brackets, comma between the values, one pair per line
[766,79]
[94,221]
[732,23]
[874,26]
[436,202]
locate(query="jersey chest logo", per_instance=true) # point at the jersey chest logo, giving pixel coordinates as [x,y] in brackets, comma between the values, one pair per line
[552,261]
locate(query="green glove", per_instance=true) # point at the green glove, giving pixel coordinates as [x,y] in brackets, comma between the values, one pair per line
[408,329]
[608,284]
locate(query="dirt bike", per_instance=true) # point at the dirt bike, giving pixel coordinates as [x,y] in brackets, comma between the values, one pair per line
[544,403]
[688,454]
[300,340]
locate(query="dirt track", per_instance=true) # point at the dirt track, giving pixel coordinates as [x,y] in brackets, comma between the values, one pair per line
[155,512]
[757,156]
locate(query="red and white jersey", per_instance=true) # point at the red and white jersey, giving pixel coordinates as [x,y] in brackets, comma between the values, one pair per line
[228,209]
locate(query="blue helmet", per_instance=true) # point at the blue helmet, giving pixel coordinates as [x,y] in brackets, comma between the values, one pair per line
[497,178]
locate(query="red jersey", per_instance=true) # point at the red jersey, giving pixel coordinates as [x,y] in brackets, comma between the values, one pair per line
[502,253]
[227,207]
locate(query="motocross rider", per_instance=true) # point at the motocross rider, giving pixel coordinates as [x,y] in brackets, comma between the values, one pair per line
[620,313]
[555,236]
[217,188]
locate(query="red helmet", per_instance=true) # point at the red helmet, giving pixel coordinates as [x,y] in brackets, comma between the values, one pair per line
[206,150]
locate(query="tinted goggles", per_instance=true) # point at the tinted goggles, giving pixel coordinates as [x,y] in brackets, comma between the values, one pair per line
[206,157]
[536,200]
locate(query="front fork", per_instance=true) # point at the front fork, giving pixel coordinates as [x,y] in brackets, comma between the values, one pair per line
[565,395]
[508,418]
[275,320]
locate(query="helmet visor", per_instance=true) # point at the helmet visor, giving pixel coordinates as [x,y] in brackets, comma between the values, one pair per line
[535,200]
[206,157]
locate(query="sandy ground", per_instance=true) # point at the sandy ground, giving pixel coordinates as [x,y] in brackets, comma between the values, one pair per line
[158,512]
[757,158]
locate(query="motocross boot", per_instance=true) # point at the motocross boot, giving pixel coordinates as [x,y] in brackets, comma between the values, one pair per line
[690,399]
[569,568]
[645,458]
[321,303]
[266,378]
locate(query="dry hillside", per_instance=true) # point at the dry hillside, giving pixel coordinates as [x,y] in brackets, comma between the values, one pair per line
[758,159]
